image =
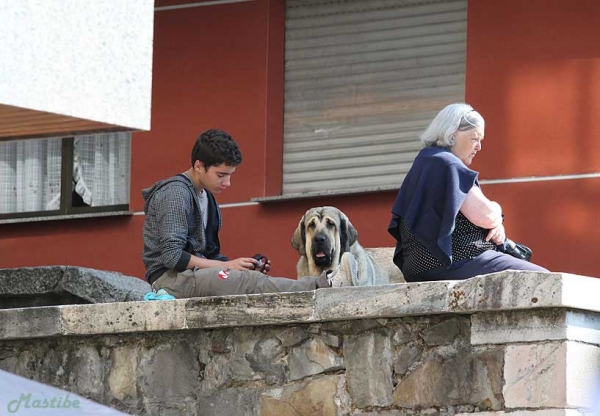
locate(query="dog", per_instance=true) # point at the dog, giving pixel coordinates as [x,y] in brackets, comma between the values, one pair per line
[326,240]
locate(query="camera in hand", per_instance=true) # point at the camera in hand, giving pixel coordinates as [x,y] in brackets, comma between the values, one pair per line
[262,262]
[518,250]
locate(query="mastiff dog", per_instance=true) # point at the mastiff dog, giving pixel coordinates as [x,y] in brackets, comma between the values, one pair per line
[327,240]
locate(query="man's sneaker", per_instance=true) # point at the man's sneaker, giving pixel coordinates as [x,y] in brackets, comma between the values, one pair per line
[343,275]
[324,279]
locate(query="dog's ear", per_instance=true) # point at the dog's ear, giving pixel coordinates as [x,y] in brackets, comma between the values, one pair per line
[299,238]
[348,234]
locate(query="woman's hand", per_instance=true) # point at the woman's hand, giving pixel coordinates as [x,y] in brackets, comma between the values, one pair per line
[496,235]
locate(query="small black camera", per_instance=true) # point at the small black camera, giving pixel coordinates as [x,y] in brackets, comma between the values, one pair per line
[262,262]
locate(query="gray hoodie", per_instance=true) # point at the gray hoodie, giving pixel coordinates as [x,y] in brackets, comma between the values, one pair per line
[173,227]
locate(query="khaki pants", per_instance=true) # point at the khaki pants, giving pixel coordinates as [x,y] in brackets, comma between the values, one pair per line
[220,282]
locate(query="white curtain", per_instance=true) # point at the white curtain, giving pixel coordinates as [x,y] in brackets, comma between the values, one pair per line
[30,172]
[101,168]
[30,175]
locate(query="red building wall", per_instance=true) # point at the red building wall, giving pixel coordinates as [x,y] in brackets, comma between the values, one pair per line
[532,71]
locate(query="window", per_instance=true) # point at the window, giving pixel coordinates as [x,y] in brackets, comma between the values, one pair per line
[64,176]
[362,81]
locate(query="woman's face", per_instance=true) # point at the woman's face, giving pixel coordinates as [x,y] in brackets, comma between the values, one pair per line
[467,143]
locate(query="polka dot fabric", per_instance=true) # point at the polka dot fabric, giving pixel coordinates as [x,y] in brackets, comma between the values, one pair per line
[468,241]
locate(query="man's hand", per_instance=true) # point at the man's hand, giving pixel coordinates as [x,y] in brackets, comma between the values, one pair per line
[243,263]
[267,268]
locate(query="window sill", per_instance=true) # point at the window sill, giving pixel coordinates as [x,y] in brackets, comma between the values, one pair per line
[323,194]
[66,217]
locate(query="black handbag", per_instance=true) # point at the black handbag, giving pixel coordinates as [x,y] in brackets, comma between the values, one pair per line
[518,250]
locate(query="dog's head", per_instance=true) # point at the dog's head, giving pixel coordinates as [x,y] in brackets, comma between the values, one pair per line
[323,235]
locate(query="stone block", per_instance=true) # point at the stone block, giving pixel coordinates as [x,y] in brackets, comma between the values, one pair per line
[461,377]
[169,407]
[122,380]
[99,286]
[369,362]
[407,356]
[518,326]
[444,333]
[505,291]
[292,336]
[351,327]
[217,374]
[553,374]
[580,292]
[243,341]
[55,362]
[86,372]
[123,317]
[30,280]
[30,322]
[169,371]
[535,325]
[404,334]
[317,397]
[312,357]
[241,310]
[510,290]
[267,358]
[81,284]
[583,326]
[542,412]
[20,362]
[331,340]
[231,401]
[393,300]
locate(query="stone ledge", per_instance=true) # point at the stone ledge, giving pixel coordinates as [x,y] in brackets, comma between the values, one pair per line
[534,326]
[34,286]
[505,291]
[543,412]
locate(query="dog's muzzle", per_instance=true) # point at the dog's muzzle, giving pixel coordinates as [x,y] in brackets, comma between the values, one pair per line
[322,252]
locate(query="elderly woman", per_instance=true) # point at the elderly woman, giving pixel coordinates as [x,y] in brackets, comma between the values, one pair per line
[445,227]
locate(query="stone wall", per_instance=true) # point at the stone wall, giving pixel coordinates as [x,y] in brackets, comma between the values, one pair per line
[66,285]
[511,342]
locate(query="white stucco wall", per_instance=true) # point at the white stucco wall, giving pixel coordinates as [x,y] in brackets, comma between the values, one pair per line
[89,59]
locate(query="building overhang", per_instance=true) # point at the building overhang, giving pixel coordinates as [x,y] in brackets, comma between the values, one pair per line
[75,67]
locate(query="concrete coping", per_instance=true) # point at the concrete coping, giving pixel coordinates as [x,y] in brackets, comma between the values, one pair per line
[503,291]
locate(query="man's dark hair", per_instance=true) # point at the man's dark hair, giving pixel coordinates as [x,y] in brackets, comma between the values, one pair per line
[215,147]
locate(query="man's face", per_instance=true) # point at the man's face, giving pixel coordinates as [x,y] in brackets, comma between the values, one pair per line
[216,178]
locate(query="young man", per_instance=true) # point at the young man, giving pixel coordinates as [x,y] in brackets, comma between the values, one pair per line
[182,253]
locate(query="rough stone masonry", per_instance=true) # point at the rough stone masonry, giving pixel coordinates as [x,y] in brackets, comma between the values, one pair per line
[511,342]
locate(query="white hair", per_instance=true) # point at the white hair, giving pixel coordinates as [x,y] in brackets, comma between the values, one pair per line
[454,117]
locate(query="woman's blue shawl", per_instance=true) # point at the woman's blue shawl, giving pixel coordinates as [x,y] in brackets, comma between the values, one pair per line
[429,200]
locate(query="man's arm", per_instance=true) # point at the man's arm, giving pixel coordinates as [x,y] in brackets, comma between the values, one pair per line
[241,263]
[173,207]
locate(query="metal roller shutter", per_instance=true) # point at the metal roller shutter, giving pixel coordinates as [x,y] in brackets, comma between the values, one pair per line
[362,81]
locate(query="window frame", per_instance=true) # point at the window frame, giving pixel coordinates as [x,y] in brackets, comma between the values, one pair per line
[66,209]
